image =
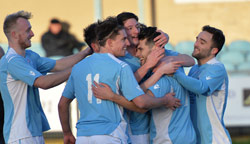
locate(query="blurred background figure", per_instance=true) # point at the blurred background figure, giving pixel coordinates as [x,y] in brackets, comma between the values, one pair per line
[1,107]
[57,41]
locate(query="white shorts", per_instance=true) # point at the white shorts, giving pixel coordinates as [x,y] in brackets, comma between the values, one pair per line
[30,140]
[140,139]
[98,139]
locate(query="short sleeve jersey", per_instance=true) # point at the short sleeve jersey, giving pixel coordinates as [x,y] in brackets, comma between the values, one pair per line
[207,109]
[166,125]
[100,117]
[24,116]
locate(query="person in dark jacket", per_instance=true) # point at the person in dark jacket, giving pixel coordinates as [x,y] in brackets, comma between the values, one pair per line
[59,42]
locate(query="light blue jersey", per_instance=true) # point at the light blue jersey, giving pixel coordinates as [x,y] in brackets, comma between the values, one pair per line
[101,117]
[132,61]
[138,122]
[208,86]
[168,126]
[23,113]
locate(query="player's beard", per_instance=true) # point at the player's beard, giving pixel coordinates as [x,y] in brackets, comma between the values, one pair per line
[24,43]
[201,54]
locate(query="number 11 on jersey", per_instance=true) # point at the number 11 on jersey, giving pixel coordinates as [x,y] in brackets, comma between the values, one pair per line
[90,93]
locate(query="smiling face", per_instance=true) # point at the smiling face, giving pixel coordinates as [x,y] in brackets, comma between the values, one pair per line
[203,46]
[119,44]
[132,28]
[23,33]
[143,50]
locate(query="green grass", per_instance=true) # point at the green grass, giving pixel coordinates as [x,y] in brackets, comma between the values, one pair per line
[241,140]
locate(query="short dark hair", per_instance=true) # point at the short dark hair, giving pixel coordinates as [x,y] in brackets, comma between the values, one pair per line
[148,33]
[218,38]
[11,19]
[125,16]
[90,34]
[55,21]
[109,28]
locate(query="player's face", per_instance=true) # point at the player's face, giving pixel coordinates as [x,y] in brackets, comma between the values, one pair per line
[120,44]
[24,33]
[143,51]
[203,45]
[132,28]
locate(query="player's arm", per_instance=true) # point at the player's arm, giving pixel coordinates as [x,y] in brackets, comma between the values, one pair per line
[51,80]
[162,68]
[186,59]
[173,103]
[63,109]
[69,61]
[103,91]
[194,85]
[148,101]
[141,103]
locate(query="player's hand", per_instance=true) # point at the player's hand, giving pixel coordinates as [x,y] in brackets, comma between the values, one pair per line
[69,139]
[102,91]
[154,57]
[172,102]
[169,67]
[162,39]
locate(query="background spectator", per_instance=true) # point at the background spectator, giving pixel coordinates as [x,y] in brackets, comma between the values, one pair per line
[57,41]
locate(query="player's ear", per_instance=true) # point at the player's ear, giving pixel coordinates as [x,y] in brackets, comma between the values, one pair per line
[109,42]
[214,51]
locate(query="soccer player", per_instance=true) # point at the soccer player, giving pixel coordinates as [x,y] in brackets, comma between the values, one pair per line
[22,72]
[139,123]
[208,86]
[166,125]
[101,121]
[90,37]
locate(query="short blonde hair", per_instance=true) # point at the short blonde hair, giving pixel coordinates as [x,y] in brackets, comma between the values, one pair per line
[11,19]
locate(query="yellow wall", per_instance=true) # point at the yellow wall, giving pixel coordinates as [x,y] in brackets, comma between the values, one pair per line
[180,21]
[79,13]
[184,21]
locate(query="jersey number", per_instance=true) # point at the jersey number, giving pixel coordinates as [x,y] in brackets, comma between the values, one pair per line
[90,93]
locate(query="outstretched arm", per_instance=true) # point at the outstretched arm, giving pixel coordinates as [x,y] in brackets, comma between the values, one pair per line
[186,59]
[140,104]
[192,84]
[103,91]
[63,109]
[70,61]
[148,101]
[173,102]
[51,80]
[162,68]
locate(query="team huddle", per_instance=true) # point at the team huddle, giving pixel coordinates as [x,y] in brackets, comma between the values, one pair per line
[130,89]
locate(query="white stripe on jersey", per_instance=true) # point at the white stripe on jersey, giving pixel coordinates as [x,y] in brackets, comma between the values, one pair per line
[18,93]
[216,102]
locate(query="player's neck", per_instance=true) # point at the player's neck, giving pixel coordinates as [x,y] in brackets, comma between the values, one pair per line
[205,60]
[132,50]
[17,48]
[106,50]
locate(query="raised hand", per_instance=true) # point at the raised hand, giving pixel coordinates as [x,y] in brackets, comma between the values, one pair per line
[154,57]
[162,39]
[168,67]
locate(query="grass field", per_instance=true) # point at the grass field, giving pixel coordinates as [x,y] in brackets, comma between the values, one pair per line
[236,140]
